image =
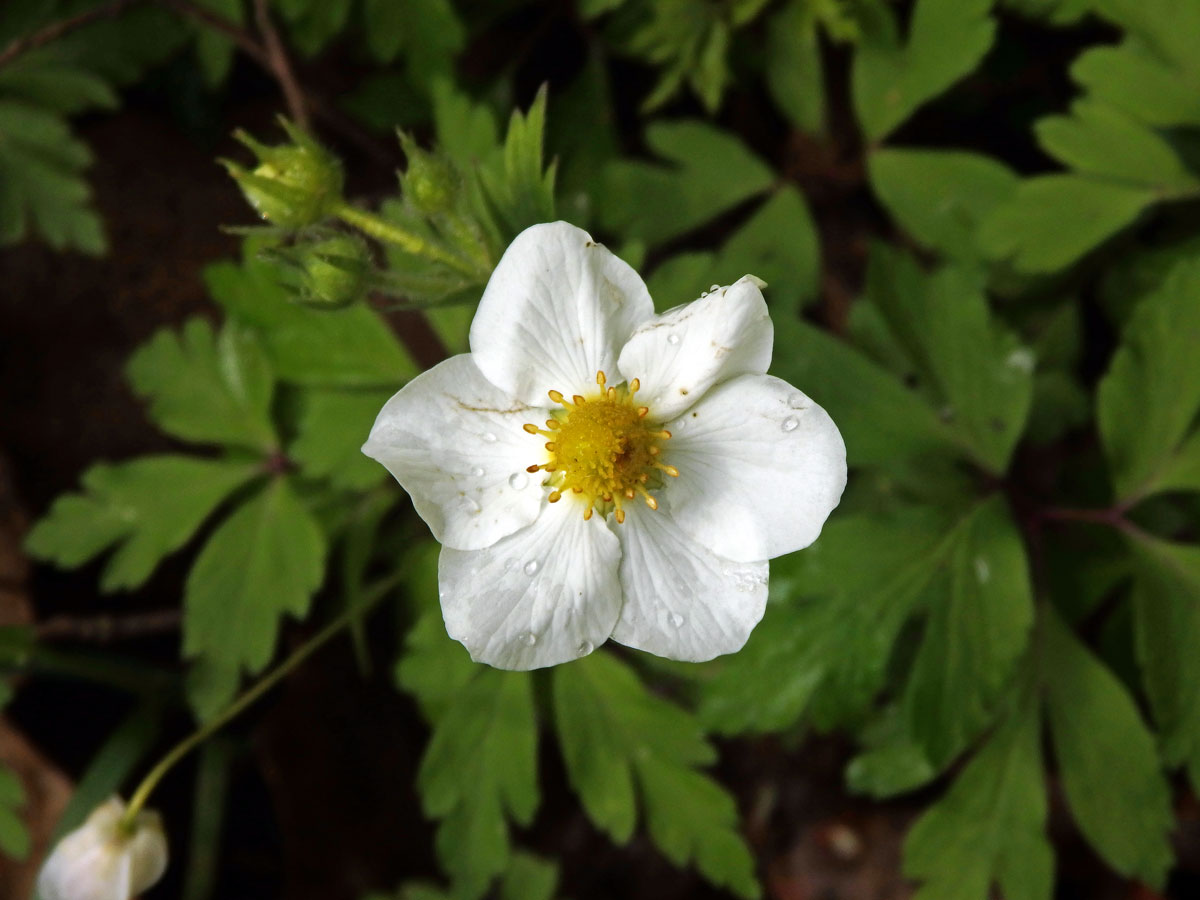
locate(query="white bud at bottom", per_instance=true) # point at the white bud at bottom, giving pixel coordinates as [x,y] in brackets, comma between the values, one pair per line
[100,860]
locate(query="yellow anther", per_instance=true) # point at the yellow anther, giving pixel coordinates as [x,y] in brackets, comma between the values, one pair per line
[601,378]
[555,496]
[634,386]
[556,396]
[532,429]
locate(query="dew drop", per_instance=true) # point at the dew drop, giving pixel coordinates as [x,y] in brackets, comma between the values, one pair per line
[585,648]
[489,438]
[712,289]
[531,567]
[477,471]
[518,481]
[703,294]
[677,620]
[791,423]
[672,339]
[509,563]
[470,507]
[529,638]
[798,401]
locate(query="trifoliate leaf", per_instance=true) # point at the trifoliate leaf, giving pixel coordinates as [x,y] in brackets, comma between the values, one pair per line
[147,508]
[884,424]
[710,172]
[265,560]
[207,389]
[990,827]
[332,428]
[973,369]
[824,647]
[1148,400]
[891,80]
[688,40]
[1167,27]
[479,772]
[41,184]
[940,197]
[977,629]
[612,731]
[1098,139]
[1166,609]
[1053,220]
[1106,758]
[350,347]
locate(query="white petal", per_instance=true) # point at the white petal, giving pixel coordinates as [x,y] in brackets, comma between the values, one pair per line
[545,595]
[454,441]
[556,310]
[683,601]
[679,355]
[761,466]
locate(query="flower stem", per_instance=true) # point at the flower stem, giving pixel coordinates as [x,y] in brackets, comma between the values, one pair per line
[197,737]
[391,233]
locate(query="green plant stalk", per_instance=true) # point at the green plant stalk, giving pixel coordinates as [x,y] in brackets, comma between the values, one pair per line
[390,233]
[197,737]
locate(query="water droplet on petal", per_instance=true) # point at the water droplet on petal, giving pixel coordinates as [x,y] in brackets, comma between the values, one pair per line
[791,423]
[676,619]
[798,401]
[489,438]
[585,648]
[529,638]
[518,481]
[509,563]
[714,288]
[672,339]
[703,294]
[470,507]
[477,471]
[531,567]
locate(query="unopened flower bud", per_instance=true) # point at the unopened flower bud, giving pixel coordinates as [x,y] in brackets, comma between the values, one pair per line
[335,271]
[293,185]
[428,182]
[103,859]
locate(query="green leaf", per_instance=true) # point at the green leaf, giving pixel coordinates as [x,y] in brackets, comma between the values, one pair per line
[1148,400]
[1106,757]
[1097,139]
[214,49]
[41,184]
[1167,28]
[14,836]
[427,32]
[1053,220]
[710,172]
[332,428]
[612,731]
[890,80]
[978,375]
[779,244]
[793,67]
[265,560]
[350,347]
[1132,78]
[521,191]
[147,507]
[825,646]
[479,771]
[883,423]
[990,827]
[1166,607]
[206,389]
[977,630]
[940,197]
[529,877]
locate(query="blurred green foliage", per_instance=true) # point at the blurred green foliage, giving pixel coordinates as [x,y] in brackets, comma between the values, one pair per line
[1015,377]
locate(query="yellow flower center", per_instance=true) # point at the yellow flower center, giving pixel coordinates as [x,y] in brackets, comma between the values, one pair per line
[603,449]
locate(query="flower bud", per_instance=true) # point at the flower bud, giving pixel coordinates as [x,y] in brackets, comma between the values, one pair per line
[103,860]
[293,185]
[428,182]
[335,271]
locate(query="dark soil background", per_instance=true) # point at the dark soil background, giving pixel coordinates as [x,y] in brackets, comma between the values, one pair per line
[321,804]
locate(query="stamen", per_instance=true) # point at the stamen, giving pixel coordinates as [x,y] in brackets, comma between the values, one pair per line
[532,429]
[651,502]
[612,393]
[556,396]
[634,386]
[643,411]
[601,378]
[670,470]
[551,446]
[579,400]
[532,468]
[620,514]
[553,424]
[554,497]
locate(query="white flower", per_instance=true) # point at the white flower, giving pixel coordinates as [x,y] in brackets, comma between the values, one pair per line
[593,470]
[100,860]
